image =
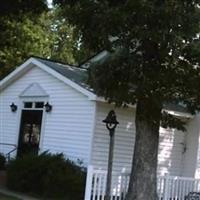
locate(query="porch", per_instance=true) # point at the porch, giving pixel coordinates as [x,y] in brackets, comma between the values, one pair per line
[168,187]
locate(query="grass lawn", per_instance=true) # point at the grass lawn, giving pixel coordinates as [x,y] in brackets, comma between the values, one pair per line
[5,197]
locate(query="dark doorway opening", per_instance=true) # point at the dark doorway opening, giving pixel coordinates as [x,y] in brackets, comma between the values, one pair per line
[30,129]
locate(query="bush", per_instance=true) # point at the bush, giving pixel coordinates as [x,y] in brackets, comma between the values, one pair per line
[47,175]
[2,161]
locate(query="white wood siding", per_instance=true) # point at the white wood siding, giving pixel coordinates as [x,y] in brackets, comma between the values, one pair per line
[170,156]
[171,152]
[67,129]
[195,127]
[191,147]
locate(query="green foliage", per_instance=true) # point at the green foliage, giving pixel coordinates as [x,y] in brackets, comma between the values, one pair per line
[2,161]
[169,121]
[154,60]
[21,40]
[156,45]
[21,7]
[21,32]
[32,30]
[68,46]
[29,37]
[48,176]
[65,42]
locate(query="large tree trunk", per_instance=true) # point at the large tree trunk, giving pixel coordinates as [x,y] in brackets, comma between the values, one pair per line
[142,185]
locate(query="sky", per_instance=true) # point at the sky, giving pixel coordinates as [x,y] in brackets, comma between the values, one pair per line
[49,3]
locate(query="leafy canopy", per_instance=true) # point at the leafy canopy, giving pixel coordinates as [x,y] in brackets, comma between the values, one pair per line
[154,61]
[29,28]
[156,48]
[21,7]
[20,31]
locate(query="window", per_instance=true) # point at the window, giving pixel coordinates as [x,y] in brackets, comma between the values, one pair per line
[28,104]
[34,105]
[39,104]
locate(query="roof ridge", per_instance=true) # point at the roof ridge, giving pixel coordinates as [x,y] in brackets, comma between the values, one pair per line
[54,61]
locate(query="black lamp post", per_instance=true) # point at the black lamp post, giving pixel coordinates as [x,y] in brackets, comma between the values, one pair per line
[111,123]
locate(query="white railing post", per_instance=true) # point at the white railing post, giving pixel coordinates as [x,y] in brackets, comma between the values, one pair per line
[88,188]
[169,187]
[166,188]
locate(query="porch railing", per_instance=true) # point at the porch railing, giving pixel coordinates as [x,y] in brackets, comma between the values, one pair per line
[12,149]
[168,187]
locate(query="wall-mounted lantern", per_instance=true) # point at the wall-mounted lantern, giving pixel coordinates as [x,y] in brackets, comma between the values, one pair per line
[13,107]
[48,107]
[111,123]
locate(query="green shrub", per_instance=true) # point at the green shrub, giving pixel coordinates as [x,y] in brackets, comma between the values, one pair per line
[47,176]
[2,161]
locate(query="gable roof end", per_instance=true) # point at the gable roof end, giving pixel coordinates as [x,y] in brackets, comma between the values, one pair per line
[55,69]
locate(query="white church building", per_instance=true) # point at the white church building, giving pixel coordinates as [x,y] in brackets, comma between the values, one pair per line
[46,105]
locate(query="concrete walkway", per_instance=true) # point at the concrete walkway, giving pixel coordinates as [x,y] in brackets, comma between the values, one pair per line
[15,194]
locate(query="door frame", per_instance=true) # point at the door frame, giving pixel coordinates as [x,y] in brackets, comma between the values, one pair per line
[24,114]
[21,107]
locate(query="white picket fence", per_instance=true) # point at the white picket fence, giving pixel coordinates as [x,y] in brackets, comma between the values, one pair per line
[168,187]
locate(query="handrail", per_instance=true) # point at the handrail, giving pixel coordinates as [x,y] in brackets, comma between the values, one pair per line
[11,151]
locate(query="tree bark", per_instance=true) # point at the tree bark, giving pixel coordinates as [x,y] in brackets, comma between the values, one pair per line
[142,185]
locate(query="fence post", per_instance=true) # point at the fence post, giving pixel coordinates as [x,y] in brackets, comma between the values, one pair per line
[166,188]
[88,188]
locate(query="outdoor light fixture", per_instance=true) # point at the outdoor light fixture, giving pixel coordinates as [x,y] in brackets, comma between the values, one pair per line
[111,123]
[13,107]
[48,107]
